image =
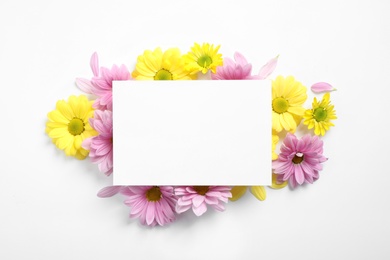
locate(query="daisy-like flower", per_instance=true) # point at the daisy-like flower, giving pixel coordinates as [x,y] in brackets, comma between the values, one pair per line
[240,69]
[288,96]
[257,191]
[320,115]
[198,197]
[156,65]
[299,160]
[100,146]
[101,84]
[68,125]
[151,204]
[203,58]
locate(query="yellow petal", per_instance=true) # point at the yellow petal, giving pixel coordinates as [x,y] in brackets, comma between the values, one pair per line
[237,192]
[259,192]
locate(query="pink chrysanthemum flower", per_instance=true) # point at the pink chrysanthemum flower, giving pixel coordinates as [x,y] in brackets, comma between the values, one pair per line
[299,161]
[198,197]
[151,204]
[100,146]
[240,69]
[101,84]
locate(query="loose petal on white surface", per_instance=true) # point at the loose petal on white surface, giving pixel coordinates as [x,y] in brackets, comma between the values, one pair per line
[268,68]
[109,191]
[322,87]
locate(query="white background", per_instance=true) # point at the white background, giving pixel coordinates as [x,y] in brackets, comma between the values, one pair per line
[48,203]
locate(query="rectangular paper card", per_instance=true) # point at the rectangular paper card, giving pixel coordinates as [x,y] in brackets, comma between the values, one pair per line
[199,132]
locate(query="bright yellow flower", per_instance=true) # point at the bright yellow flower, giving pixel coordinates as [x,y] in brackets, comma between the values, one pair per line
[156,65]
[257,191]
[203,58]
[68,125]
[288,96]
[320,115]
[275,140]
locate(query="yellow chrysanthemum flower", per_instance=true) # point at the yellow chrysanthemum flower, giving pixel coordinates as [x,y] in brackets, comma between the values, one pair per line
[320,115]
[257,191]
[288,96]
[156,65]
[275,140]
[68,125]
[203,58]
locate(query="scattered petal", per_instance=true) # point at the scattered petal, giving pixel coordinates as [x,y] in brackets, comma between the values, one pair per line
[322,87]
[268,68]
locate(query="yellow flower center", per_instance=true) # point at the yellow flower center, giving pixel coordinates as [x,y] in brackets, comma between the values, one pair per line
[201,190]
[204,61]
[280,105]
[76,126]
[153,194]
[320,114]
[298,158]
[163,74]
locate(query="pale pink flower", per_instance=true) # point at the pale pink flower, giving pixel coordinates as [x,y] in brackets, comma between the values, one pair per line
[100,146]
[101,83]
[151,204]
[240,69]
[198,197]
[299,161]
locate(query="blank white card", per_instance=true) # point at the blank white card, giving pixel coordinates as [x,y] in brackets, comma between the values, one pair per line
[200,132]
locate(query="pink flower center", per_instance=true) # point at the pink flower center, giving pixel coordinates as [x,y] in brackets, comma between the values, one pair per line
[201,190]
[298,158]
[153,194]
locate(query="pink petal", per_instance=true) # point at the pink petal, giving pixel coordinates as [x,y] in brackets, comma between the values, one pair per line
[200,210]
[240,59]
[94,63]
[268,68]
[150,213]
[86,144]
[198,200]
[322,87]
[84,85]
[299,176]
[109,191]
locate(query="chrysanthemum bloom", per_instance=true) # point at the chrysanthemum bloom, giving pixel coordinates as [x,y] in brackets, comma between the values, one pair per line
[101,84]
[288,96]
[257,191]
[203,58]
[156,65]
[299,160]
[68,125]
[198,197]
[320,115]
[240,69]
[100,146]
[151,204]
